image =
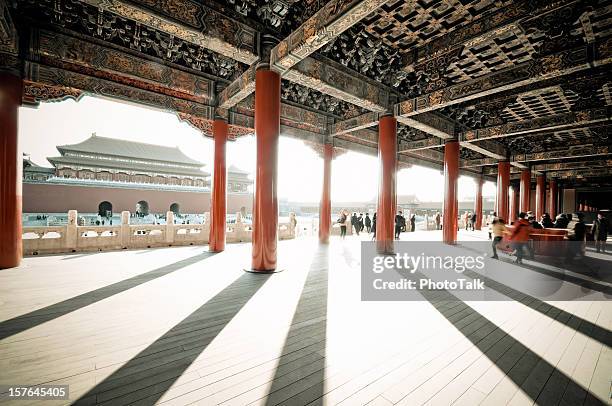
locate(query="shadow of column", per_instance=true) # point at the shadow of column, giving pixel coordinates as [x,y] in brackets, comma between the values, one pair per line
[536,377]
[301,381]
[147,376]
[29,320]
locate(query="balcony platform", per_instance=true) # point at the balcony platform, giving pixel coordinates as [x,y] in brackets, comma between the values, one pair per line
[178,326]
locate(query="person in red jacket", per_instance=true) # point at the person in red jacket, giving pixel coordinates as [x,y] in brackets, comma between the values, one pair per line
[520,236]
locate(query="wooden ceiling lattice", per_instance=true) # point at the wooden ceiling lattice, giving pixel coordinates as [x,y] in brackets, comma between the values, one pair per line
[510,48]
[540,103]
[405,24]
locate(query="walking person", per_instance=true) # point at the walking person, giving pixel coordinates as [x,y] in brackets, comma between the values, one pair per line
[368,223]
[498,228]
[473,221]
[438,218]
[400,222]
[492,218]
[601,228]
[520,236]
[342,221]
[360,222]
[355,223]
[466,218]
[413,222]
[576,237]
[374,227]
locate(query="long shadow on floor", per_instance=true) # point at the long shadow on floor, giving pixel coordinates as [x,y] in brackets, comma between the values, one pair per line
[607,290]
[596,332]
[148,375]
[299,377]
[29,320]
[577,267]
[535,376]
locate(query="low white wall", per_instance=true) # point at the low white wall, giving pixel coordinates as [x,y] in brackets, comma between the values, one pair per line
[75,238]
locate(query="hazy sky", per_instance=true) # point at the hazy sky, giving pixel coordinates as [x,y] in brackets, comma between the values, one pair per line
[354,175]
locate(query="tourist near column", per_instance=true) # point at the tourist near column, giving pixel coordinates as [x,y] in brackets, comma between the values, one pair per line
[386,210]
[478,204]
[451,175]
[503,182]
[10,172]
[265,201]
[218,201]
[325,206]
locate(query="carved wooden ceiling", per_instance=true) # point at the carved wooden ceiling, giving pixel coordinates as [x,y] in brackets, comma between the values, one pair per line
[524,80]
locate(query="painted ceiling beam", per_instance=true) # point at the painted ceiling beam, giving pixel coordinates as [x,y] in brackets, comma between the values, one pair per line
[291,58]
[193,22]
[571,153]
[539,125]
[366,120]
[528,73]
[239,89]
[338,83]
[560,166]
[335,17]
[431,123]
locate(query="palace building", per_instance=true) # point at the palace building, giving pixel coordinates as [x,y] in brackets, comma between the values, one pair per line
[109,170]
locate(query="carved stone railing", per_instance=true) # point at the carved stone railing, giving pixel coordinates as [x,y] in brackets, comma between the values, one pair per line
[75,238]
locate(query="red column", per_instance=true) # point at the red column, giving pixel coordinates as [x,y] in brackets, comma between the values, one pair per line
[451,174]
[265,201]
[387,204]
[513,210]
[325,207]
[218,203]
[552,199]
[503,182]
[525,198]
[478,204]
[10,172]
[540,196]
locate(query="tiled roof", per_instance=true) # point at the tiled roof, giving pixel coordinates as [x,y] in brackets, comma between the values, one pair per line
[128,166]
[236,170]
[130,149]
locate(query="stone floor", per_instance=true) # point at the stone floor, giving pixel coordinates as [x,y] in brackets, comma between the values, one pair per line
[182,326]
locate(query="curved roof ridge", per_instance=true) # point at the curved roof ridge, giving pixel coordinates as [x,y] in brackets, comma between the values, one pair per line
[133,149]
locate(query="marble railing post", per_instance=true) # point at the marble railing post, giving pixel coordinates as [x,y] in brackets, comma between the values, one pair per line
[169,227]
[125,229]
[72,232]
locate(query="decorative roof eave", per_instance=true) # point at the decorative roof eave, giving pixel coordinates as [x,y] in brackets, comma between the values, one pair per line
[63,160]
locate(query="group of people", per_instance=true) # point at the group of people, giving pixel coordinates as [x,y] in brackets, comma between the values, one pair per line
[357,223]
[469,220]
[526,222]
